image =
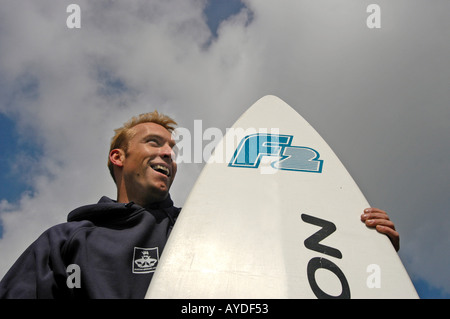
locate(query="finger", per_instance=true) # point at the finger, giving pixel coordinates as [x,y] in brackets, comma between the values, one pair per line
[392,234]
[374,213]
[374,216]
[374,210]
[380,222]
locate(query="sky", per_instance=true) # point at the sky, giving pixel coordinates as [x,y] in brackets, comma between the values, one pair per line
[378,96]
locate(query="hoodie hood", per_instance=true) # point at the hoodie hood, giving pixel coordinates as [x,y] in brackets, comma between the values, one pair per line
[108,210]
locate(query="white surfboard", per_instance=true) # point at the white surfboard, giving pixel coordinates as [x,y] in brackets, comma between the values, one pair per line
[274,214]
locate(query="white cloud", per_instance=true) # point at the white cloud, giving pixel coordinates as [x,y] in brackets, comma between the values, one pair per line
[379,97]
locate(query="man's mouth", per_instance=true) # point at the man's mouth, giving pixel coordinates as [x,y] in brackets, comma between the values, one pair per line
[161,169]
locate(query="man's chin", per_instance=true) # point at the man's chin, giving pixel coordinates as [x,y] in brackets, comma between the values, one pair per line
[158,194]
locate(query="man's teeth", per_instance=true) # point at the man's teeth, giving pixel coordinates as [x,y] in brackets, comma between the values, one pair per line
[161,169]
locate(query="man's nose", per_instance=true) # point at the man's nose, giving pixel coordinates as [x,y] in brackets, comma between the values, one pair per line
[167,152]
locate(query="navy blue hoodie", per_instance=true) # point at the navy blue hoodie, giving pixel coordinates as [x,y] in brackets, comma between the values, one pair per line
[116,246]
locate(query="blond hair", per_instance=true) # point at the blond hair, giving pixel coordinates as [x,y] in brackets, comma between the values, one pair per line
[125,133]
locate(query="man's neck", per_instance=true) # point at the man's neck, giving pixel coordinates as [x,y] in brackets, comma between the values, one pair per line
[147,201]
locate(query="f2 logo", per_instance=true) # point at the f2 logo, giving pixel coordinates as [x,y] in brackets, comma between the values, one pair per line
[292,158]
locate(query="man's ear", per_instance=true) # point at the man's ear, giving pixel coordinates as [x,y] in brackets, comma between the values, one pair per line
[117,156]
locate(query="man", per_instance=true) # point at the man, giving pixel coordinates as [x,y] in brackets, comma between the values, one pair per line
[116,245]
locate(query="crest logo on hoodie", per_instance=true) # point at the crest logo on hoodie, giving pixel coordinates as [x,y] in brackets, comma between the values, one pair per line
[145,260]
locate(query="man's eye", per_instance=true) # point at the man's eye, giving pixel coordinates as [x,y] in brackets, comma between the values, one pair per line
[153,142]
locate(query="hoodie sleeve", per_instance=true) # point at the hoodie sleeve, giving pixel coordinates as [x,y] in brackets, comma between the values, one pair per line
[40,272]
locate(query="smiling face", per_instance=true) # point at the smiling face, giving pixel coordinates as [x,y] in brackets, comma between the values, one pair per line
[147,169]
